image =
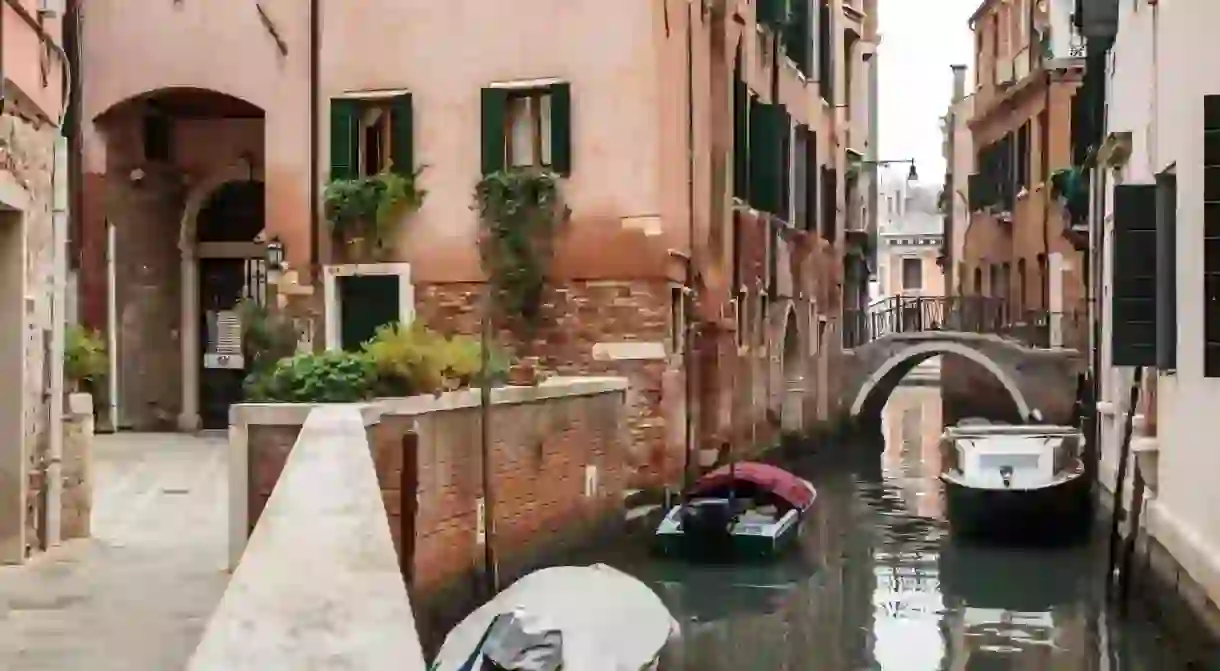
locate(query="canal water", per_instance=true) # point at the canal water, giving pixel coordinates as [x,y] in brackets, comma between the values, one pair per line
[879,583]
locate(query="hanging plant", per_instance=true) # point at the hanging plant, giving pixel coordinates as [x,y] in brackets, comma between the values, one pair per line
[520,212]
[368,208]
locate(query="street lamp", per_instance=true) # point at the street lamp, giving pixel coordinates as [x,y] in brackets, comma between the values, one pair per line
[274,255]
[912,174]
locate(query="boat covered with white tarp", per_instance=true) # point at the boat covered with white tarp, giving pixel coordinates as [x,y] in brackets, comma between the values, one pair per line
[564,618]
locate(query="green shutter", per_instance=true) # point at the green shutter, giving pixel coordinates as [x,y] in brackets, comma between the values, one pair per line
[773,13]
[344,144]
[741,138]
[494,104]
[561,128]
[402,135]
[754,157]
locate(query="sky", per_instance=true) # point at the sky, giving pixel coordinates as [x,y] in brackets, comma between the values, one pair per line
[920,39]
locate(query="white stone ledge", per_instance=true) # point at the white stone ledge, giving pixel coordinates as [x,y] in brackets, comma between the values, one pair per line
[319,585]
[1200,559]
[288,414]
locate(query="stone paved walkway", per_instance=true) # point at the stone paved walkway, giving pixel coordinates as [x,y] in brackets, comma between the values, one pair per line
[136,596]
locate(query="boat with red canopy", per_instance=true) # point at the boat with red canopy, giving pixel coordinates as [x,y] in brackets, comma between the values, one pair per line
[744,509]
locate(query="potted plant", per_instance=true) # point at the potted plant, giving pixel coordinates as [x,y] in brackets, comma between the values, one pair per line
[363,211]
[85,360]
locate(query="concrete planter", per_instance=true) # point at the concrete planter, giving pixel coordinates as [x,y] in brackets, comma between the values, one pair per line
[77,502]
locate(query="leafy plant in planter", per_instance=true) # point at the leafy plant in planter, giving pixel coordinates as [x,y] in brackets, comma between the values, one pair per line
[85,360]
[521,212]
[328,377]
[364,210]
[266,337]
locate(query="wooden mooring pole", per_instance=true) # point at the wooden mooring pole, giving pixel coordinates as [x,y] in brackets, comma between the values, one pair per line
[1121,477]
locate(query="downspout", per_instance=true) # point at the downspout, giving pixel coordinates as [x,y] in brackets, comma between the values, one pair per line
[315,129]
[689,358]
[1046,209]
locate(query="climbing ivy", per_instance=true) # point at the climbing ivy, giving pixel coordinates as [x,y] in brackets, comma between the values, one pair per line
[520,212]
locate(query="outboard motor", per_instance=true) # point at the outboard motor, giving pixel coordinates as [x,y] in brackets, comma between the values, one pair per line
[708,520]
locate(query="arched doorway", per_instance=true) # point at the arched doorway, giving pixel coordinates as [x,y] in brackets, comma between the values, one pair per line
[791,419]
[231,269]
[161,156]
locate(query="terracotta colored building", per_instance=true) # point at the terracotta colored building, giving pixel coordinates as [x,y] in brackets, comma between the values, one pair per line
[33,273]
[701,158]
[1027,68]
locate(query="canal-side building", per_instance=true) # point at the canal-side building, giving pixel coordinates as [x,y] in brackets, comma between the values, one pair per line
[32,273]
[709,154]
[911,234]
[1018,266]
[1154,222]
[1028,63]
[958,151]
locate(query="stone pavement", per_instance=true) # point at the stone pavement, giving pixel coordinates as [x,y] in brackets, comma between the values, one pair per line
[136,596]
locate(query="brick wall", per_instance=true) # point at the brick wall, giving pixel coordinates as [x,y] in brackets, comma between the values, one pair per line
[575,317]
[540,454]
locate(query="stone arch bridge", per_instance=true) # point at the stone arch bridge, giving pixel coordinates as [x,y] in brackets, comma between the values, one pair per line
[1027,357]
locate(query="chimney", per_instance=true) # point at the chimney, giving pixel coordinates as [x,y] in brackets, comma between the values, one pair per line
[959,82]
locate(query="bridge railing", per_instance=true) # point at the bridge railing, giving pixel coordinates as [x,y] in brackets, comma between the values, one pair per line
[970,314]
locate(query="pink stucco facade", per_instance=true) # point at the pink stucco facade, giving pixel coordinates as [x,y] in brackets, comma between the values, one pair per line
[237,80]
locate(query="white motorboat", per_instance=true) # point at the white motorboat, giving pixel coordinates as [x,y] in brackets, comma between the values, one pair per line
[1011,481]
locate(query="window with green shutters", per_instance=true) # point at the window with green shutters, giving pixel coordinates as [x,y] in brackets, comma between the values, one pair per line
[371,134]
[798,36]
[741,133]
[770,129]
[1211,236]
[527,128]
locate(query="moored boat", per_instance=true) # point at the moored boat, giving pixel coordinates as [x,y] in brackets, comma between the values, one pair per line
[1015,482]
[564,618]
[743,510]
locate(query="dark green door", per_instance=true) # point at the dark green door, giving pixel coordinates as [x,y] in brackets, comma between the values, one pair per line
[366,303]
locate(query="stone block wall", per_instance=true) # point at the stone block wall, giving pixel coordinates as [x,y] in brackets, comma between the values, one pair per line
[27,149]
[559,465]
[77,467]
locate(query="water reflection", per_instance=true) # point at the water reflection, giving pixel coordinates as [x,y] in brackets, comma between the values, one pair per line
[879,583]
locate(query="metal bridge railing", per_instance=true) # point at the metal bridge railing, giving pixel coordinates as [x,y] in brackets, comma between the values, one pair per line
[971,314]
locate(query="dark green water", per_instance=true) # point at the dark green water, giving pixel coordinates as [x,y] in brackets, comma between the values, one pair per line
[879,583]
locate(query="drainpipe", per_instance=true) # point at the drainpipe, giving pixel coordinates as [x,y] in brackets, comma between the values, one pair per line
[692,266]
[112,328]
[59,234]
[1046,213]
[315,129]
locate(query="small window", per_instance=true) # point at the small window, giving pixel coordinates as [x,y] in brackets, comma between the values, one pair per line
[677,320]
[375,140]
[157,135]
[743,321]
[912,274]
[371,135]
[527,127]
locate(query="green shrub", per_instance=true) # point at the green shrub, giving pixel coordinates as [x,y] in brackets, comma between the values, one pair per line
[266,337]
[328,377]
[414,359]
[85,360]
[408,360]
